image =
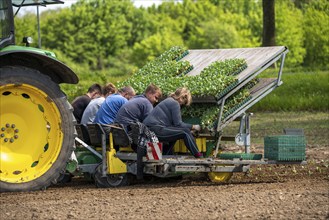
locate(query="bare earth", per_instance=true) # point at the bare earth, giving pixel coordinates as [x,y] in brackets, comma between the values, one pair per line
[266,192]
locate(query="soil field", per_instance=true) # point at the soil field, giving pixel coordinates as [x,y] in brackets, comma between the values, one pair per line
[281,194]
[266,192]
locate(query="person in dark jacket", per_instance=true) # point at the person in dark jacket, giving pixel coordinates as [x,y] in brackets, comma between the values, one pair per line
[137,108]
[166,121]
[80,103]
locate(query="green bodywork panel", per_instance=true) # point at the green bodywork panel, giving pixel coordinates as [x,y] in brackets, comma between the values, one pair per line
[29,49]
[86,157]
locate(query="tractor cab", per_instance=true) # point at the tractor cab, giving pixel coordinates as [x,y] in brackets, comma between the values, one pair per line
[22,3]
[6,24]
[7,30]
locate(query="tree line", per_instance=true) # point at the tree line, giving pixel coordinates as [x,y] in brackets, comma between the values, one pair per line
[114,38]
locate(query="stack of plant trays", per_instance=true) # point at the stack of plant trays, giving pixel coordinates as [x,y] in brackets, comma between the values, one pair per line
[258,60]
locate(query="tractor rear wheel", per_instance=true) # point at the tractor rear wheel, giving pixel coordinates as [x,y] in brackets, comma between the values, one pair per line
[36,130]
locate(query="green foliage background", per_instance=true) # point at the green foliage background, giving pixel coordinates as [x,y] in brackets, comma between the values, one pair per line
[108,41]
[302,90]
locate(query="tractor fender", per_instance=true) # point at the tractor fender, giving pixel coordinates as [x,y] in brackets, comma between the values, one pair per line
[43,61]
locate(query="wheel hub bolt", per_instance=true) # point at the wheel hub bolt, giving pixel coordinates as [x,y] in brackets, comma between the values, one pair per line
[10,128]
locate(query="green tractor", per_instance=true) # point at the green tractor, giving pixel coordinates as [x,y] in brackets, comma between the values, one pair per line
[36,121]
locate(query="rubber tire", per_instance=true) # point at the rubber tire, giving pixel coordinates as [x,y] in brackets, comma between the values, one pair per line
[111,180]
[65,178]
[20,75]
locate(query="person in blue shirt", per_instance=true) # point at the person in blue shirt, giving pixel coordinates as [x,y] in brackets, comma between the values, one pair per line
[138,108]
[110,107]
[166,121]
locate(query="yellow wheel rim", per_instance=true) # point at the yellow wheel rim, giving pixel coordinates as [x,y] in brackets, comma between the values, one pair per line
[30,133]
[219,177]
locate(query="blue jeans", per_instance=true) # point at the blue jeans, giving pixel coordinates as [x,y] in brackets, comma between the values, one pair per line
[172,134]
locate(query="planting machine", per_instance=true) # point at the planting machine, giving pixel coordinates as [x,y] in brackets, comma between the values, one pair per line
[41,145]
[114,164]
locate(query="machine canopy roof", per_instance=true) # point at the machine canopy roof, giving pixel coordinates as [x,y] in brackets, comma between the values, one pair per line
[21,3]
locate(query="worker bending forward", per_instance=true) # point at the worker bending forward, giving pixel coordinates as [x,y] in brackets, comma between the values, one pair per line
[165,121]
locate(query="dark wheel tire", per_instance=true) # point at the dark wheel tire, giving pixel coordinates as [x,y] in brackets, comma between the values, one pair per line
[65,178]
[111,180]
[36,130]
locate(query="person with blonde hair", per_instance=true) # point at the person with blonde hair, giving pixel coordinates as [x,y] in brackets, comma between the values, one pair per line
[166,122]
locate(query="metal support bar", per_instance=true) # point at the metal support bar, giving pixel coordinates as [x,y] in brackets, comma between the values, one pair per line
[281,68]
[19,8]
[247,132]
[88,147]
[221,113]
[242,123]
[104,167]
[217,161]
[38,24]
[217,146]
[200,168]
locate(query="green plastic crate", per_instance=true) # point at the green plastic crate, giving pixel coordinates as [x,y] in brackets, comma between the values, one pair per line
[285,147]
